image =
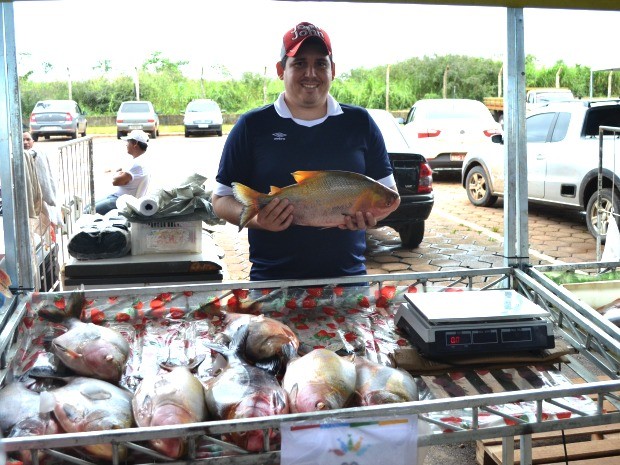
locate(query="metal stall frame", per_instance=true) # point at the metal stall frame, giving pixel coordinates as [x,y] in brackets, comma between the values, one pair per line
[615,131]
[599,344]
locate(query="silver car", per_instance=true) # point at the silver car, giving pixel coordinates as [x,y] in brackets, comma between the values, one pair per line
[137,115]
[57,118]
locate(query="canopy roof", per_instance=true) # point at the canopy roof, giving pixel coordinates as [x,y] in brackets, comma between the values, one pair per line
[562,4]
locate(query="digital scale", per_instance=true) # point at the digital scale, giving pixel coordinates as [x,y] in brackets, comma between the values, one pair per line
[474,322]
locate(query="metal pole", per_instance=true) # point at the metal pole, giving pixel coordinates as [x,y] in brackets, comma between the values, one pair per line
[516,243]
[19,263]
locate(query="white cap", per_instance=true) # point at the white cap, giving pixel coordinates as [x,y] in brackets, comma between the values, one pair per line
[138,135]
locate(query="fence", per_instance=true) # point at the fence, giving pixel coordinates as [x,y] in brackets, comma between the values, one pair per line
[72,167]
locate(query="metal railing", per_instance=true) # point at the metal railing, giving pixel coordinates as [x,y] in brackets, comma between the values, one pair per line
[589,337]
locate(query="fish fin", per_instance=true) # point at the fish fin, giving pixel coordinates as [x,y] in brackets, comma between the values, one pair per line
[301,176]
[274,190]
[72,309]
[271,365]
[70,353]
[289,352]
[248,197]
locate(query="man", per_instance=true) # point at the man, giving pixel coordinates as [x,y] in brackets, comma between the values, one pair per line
[305,129]
[127,181]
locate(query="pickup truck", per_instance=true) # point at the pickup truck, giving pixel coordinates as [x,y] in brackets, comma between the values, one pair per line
[562,161]
[414,181]
[535,97]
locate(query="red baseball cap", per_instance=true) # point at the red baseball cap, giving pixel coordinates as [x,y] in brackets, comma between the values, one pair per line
[293,38]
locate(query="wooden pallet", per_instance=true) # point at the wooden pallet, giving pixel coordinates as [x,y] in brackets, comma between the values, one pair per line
[592,445]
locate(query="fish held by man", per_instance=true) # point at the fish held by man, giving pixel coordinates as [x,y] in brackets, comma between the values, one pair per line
[321,198]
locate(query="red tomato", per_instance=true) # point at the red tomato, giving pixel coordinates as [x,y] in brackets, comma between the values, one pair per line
[176,313]
[315,291]
[97,316]
[122,316]
[308,302]
[291,303]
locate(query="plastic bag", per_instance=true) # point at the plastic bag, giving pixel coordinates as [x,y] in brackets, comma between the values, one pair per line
[104,237]
[186,202]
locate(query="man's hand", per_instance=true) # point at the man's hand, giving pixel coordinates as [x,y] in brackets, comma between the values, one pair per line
[359,222]
[277,215]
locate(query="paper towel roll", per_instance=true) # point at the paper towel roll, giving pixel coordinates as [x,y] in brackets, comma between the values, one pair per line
[145,206]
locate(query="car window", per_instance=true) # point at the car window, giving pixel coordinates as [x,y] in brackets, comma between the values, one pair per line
[137,107]
[537,127]
[561,127]
[54,106]
[202,106]
[410,115]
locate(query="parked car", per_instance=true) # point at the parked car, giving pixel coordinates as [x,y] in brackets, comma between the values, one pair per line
[414,181]
[203,116]
[57,118]
[137,115]
[562,161]
[445,130]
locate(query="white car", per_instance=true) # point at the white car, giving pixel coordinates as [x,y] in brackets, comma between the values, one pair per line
[562,162]
[203,116]
[445,130]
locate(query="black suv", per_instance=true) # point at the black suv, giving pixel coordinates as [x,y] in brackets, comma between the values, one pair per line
[414,180]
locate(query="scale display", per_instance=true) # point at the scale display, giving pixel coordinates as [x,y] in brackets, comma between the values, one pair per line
[474,322]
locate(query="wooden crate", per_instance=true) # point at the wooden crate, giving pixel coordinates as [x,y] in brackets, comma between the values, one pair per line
[592,445]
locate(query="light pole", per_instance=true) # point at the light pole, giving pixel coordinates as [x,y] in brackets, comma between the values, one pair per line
[137,83]
[69,82]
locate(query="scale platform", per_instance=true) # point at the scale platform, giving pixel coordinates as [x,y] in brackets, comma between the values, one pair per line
[474,322]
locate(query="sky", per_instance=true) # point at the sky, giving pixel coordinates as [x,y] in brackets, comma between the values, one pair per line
[237,36]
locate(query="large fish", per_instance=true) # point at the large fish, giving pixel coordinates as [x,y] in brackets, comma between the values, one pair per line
[378,384]
[242,391]
[87,404]
[86,348]
[321,198]
[264,341]
[320,380]
[21,414]
[172,397]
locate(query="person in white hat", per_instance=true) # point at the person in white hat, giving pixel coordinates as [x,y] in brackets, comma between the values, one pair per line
[127,180]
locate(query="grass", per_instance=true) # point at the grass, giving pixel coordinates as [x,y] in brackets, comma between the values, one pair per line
[111,130]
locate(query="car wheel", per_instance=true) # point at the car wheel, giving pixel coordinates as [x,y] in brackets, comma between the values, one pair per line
[478,188]
[609,205]
[84,133]
[219,133]
[411,235]
[35,137]
[186,133]
[154,134]
[119,134]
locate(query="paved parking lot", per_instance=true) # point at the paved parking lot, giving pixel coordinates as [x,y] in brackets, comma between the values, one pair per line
[458,235]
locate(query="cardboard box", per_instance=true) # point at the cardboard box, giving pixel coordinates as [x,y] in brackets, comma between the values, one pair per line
[166,237]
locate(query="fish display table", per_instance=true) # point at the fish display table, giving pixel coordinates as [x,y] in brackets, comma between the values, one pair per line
[182,322]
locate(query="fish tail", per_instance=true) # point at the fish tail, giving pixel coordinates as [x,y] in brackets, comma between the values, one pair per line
[248,197]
